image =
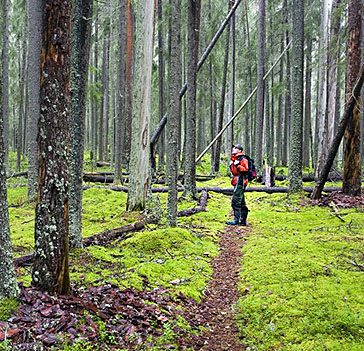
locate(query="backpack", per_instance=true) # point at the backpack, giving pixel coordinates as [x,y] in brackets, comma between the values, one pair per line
[251,173]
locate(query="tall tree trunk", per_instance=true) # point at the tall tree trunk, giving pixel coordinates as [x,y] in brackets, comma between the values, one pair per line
[295,145]
[129,93]
[22,74]
[161,78]
[249,117]
[287,110]
[260,85]
[220,119]
[96,82]
[307,118]
[50,267]
[120,119]
[35,20]
[322,131]
[333,58]
[104,91]
[8,284]
[80,41]
[352,170]
[232,80]
[194,8]
[212,102]
[139,180]
[280,108]
[5,79]
[175,64]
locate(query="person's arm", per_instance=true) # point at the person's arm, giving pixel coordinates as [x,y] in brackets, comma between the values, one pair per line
[243,165]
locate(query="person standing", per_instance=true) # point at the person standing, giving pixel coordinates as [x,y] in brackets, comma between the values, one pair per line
[239,167]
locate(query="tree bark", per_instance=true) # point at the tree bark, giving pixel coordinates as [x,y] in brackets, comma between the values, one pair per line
[128,77]
[50,269]
[259,123]
[173,111]
[8,284]
[307,117]
[348,115]
[323,64]
[162,123]
[80,47]
[194,8]
[220,119]
[5,80]
[287,110]
[295,145]
[161,78]
[352,169]
[142,90]
[120,116]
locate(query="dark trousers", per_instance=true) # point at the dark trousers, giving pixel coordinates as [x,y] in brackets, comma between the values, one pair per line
[238,201]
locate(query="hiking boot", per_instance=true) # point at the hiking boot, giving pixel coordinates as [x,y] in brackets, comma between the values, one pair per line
[244,215]
[235,221]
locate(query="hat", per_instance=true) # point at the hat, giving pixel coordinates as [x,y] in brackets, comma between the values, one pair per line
[238,146]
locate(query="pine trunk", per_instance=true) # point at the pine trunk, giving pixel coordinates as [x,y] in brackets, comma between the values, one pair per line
[128,73]
[194,8]
[5,79]
[352,170]
[259,123]
[175,63]
[50,268]
[80,41]
[120,115]
[295,154]
[307,117]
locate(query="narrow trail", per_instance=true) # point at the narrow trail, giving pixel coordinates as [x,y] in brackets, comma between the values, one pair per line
[216,311]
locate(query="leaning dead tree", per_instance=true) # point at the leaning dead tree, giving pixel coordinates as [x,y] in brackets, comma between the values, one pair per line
[339,135]
[155,136]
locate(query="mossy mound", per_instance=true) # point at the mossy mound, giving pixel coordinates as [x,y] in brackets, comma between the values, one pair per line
[7,307]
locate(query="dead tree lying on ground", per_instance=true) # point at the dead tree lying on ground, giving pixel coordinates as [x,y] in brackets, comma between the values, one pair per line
[225,191]
[123,232]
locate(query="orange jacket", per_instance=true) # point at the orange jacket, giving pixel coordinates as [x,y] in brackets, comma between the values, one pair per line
[238,164]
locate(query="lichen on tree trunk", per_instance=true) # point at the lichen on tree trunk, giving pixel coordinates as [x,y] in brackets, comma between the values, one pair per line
[50,269]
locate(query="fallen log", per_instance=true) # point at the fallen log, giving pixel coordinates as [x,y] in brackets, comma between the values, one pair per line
[225,191]
[202,208]
[18,174]
[122,232]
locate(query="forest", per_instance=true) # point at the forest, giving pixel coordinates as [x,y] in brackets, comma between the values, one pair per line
[133,131]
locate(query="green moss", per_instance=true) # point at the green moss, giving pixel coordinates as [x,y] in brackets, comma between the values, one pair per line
[7,308]
[169,257]
[305,294]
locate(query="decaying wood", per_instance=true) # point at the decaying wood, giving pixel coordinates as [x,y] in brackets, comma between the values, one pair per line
[225,191]
[340,133]
[122,232]
[202,208]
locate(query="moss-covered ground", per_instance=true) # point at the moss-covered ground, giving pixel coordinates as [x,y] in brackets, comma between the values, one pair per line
[302,264]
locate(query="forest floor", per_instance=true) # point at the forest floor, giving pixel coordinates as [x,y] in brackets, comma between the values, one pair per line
[217,310]
[291,280]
